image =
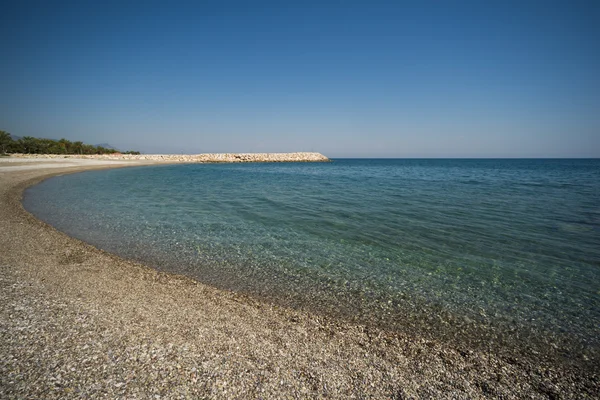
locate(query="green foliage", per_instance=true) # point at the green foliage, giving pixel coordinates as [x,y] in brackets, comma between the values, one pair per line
[5,141]
[32,145]
[135,153]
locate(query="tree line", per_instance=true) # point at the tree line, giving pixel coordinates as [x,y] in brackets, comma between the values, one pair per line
[32,145]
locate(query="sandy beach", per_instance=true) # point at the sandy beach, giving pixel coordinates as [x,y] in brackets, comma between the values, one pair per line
[77,322]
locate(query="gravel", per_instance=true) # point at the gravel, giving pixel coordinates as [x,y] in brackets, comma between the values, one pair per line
[77,322]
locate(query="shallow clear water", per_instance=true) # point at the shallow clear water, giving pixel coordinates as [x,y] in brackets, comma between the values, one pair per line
[508,245]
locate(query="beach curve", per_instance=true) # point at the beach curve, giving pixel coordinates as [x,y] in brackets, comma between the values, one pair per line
[77,321]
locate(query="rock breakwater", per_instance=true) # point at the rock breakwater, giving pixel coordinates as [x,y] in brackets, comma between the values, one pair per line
[195,158]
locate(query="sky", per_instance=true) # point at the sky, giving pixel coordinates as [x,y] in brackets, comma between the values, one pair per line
[344,78]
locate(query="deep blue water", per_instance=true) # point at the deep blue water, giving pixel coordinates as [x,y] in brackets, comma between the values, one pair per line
[511,246]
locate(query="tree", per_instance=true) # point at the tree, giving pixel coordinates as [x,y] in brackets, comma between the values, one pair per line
[65,146]
[5,142]
[88,149]
[32,145]
[46,146]
[15,147]
[77,148]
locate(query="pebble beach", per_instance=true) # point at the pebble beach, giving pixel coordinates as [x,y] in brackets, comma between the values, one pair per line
[77,322]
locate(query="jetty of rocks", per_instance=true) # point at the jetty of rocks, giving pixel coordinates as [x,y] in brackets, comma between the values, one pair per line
[195,158]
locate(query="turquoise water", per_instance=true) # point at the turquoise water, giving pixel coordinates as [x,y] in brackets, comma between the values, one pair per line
[492,250]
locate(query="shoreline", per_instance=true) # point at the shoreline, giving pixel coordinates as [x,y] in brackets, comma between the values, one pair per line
[158,333]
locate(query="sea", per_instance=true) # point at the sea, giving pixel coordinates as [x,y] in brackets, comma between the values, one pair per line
[492,253]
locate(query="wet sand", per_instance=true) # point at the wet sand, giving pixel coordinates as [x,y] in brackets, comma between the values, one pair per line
[78,322]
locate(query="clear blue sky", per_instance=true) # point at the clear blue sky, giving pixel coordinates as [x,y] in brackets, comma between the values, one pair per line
[370,79]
